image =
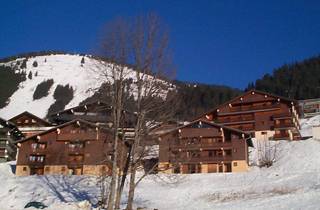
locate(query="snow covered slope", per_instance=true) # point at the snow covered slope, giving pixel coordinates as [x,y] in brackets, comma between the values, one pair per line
[63,69]
[293,182]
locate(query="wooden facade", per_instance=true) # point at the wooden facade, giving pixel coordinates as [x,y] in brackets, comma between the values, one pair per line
[310,107]
[9,134]
[264,115]
[76,147]
[203,147]
[29,124]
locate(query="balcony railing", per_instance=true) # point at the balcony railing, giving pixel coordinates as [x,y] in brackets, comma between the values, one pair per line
[281,136]
[202,159]
[202,145]
[249,109]
[3,145]
[284,125]
[76,150]
[77,136]
[235,119]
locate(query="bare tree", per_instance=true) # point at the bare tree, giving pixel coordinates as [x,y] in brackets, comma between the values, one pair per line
[267,151]
[136,49]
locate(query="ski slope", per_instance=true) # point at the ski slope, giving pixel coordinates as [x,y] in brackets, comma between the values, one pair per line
[63,69]
[293,182]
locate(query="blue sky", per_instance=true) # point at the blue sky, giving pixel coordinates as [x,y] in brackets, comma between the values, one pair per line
[216,41]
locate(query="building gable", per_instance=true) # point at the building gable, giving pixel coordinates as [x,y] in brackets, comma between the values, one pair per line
[26,119]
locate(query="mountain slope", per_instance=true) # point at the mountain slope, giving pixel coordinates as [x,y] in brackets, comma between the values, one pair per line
[63,69]
[84,79]
[300,80]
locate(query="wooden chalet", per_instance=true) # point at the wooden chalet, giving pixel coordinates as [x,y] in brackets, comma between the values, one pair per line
[310,107]
[76,147]
[95,112]
[264,115]
[204,147]
[9,134]
[29,124]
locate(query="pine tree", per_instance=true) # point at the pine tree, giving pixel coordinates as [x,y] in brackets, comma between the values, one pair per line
[30,75]
[24,64]
[82,61]
[35,64]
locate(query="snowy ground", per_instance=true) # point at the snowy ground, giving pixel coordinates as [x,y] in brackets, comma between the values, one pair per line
[293,182]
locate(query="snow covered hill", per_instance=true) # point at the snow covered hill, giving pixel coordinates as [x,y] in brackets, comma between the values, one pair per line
[63,69]
[293,182]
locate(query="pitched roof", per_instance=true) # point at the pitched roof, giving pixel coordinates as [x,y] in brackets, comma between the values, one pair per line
[61,126]
[83,106]
[30,115]
[248,136]
[14,130]
[213,124]
[245,93]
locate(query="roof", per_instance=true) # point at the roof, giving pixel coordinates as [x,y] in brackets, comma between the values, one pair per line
[30,115]
[215,125]
[82,106]
[14,130]
[245,93]
[7,123]
[61,126]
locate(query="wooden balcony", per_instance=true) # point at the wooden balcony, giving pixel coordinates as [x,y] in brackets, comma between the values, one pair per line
[250,109]
[283,125]
[216,145]
[75,150]
[77,136]
[3,145]
[281,136]
[235,120]
[202,159]
[196,132]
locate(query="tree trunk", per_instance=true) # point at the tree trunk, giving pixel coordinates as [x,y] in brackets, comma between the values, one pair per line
[123,179]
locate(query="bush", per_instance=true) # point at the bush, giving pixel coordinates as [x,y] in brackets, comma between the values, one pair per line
[35,64]
[42,90]
[9,83]
[63,95]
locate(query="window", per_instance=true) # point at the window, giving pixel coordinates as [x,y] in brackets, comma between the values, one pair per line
[235,164]
[24,168]
[36,158]
[38,146]
[34,146]
[76,145]
[26,121]
[47,169]
[210,153]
